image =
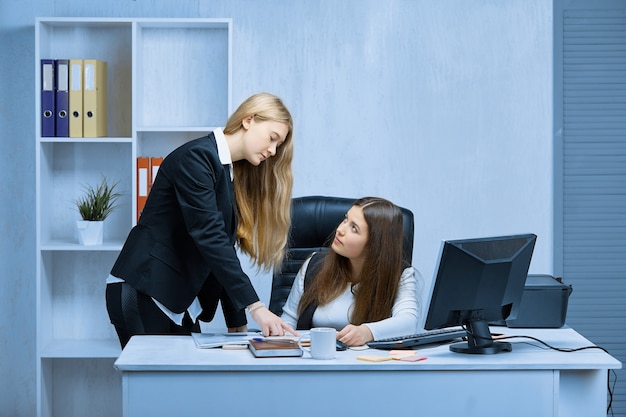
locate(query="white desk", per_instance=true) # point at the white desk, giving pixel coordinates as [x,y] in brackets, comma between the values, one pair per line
[168,376]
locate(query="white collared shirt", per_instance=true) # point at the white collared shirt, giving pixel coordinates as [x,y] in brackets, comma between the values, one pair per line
[405,312]
[222,149]
[195,308]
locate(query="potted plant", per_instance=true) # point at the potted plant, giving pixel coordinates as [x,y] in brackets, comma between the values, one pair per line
[94,207]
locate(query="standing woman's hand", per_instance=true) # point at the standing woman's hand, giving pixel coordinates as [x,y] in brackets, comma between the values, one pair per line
[271,324]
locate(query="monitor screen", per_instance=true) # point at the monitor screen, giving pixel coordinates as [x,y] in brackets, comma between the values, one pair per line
[479,281]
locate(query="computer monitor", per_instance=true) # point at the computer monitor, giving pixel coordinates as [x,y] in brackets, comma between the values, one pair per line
[479,281]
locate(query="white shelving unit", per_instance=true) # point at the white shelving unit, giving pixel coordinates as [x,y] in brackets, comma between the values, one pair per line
[169,81]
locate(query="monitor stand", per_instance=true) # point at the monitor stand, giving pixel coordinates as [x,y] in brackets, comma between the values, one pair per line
[479,340]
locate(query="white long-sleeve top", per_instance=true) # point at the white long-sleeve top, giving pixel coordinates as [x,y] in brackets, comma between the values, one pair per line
[404,318]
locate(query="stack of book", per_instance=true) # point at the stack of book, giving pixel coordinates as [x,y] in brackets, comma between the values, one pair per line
[274,347]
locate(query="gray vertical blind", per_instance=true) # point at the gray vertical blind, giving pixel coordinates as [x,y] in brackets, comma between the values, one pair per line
[593,109]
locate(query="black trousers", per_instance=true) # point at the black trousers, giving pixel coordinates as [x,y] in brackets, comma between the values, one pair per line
[133,313]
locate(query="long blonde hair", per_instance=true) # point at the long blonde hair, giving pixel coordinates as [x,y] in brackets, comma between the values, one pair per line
[263,193]
[378,284]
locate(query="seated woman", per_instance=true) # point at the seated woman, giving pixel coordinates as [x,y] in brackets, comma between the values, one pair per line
[360,287]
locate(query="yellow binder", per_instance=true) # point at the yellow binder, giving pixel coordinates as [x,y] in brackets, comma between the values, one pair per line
[94,98]
[76,98]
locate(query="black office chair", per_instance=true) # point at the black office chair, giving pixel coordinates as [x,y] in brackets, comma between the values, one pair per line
[314,220]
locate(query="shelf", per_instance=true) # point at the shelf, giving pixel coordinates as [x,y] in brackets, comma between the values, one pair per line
[86,140]
[168,82]
[176,59]
[175,129]
[59,245]
[81,349]
[108,40]
[73,22]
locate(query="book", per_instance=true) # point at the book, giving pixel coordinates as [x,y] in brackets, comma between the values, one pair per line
[215,340]
[272,348]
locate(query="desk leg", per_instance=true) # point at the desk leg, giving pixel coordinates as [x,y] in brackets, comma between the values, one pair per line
[582,393]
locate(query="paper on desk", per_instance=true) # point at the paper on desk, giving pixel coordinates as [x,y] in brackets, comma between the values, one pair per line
[214,340]
[401,355]
[374,358]
[406,355]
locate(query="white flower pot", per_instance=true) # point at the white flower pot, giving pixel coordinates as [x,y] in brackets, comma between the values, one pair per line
[90,233]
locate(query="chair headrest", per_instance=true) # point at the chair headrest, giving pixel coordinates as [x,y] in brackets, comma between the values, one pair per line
[314,220]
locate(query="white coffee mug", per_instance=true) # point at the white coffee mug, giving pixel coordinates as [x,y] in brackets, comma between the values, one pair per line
[323,342]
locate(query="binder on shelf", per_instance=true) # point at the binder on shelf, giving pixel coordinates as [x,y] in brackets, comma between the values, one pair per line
[48,113]
[61,104]
[143,182]
[155,164]
[94,98]
[76,98]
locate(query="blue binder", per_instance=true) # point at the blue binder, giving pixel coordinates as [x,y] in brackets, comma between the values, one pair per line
[62,102]
[48,114]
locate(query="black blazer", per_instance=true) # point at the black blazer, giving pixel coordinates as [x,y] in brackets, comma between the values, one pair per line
[183,244]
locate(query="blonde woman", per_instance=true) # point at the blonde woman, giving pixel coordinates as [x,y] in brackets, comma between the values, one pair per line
[231,187]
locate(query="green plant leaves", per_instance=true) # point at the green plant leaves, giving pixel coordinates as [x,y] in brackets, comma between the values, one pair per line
[99,201]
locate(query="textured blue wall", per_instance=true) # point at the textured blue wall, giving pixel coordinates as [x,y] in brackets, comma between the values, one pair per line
[442,107]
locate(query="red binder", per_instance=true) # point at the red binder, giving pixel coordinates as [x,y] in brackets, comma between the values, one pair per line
[143,183]
[155,164]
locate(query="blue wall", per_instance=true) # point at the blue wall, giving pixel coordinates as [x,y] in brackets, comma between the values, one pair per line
[442,107]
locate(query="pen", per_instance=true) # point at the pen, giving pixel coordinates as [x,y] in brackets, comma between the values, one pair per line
[286,341]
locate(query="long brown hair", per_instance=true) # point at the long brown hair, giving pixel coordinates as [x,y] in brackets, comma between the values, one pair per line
[263,193]
[375,293]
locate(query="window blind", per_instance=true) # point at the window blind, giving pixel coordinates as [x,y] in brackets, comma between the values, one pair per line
[593,110]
